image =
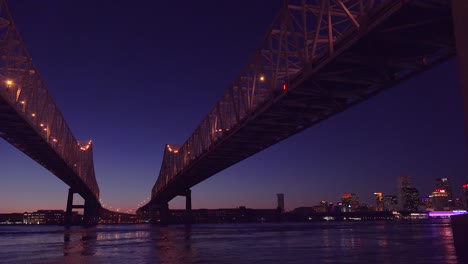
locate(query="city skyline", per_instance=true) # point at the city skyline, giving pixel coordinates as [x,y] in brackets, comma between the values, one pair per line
[413,129]
[353,199]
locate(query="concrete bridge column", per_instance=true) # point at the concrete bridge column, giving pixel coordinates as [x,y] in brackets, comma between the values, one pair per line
[460,22]
[188,206]
[68,213]
[91,213]
[159,213]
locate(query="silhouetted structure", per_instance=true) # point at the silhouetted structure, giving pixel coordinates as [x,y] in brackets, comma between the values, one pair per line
[411,199]
[350,202]
[460,236]
[444,184]
[465,194]
[379,202]
[280,197]
[390,202]
[11,219]
[402,182]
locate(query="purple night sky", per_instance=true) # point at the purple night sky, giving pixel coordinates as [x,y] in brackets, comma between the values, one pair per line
[133,76]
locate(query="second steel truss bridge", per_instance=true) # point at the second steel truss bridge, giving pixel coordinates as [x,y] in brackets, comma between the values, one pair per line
[318,58]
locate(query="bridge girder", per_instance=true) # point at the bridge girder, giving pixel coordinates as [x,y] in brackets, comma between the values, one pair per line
[31,121]
[319,58]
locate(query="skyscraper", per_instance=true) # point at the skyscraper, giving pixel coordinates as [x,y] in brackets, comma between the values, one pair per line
[350,200]
[402,182]
[280,197]
[444,183]
[390,202]
[440,200]
[379,203]
[411,199]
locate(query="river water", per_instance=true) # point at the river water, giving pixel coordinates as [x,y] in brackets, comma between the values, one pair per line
[318,242]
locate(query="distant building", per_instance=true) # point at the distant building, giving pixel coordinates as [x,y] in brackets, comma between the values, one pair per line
[303,211]
[411,199]
[390,203]
[428,203]
[280,197]
[379,203]
[402,182]
[338,207]
[351,201]
[440,200]
[44,217]
[444,183]
[323,207]
[11,219]
[458,204]
[465,195]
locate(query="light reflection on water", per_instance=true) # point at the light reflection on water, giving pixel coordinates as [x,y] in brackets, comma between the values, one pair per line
[329,242]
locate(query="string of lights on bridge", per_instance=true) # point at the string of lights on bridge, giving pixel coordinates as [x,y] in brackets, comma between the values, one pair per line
[44,127]
[9,83]
[120,210]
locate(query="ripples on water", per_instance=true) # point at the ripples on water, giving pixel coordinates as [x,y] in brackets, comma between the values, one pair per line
[328,242]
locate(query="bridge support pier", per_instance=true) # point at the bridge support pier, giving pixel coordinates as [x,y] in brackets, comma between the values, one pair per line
[69,213]
[91,213]
[159,213]
[460,23]
[188,206]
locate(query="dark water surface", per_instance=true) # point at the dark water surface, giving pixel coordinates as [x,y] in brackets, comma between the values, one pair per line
[327,242]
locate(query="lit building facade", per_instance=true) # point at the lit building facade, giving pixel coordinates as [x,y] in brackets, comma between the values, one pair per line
[379,203]
[390,203]
[323,207]
[444,183]
[44,217]
[350,200]
[440,200]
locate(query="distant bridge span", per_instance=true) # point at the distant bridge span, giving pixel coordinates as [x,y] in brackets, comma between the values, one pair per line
[31,121]
[319,58]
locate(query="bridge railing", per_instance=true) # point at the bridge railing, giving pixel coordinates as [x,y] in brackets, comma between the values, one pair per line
[304,34]
[22,87]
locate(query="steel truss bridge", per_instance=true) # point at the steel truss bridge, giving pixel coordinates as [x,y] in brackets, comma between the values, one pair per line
[318,58]
[32,122]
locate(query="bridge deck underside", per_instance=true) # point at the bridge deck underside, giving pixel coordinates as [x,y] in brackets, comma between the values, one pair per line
[15,130]
[412,40]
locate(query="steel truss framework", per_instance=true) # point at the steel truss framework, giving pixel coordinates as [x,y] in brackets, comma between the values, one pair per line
[31,121]
[319,58]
